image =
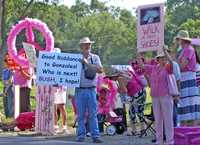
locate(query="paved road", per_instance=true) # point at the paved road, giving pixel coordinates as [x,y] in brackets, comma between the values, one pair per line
[70,140]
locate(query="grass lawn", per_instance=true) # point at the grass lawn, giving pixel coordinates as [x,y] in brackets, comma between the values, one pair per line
[70,113]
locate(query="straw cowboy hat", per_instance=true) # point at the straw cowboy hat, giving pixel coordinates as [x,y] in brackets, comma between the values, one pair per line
[183,35]
[86,40]
[160,55]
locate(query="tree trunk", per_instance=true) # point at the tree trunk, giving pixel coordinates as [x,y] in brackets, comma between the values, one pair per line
[0,17]
[2,33]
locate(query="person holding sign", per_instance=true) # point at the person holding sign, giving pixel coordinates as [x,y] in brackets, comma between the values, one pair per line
[162,99]
[85,95]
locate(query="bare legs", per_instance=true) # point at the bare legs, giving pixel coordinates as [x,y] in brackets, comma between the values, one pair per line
[62,110]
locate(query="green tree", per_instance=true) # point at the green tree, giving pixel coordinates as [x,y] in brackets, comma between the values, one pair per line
[192,26]
[113,29]
[178,13]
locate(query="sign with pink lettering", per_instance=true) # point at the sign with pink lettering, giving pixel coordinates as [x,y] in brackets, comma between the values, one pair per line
[150,27]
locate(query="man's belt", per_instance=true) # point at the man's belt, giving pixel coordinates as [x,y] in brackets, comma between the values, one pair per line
[92,87]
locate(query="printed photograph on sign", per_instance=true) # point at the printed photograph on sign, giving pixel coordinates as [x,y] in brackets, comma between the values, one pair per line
[31,53]
[150,15]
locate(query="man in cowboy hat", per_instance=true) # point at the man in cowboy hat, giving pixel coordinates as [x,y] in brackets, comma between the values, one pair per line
[85,95]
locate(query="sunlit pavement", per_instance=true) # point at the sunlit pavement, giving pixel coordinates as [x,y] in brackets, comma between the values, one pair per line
[70,140]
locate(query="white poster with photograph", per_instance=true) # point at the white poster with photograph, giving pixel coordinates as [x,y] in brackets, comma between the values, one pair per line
[30,52]
[63,69]
[150,27]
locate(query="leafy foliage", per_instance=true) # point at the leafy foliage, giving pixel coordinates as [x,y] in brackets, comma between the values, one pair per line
[182,14]
[113,29]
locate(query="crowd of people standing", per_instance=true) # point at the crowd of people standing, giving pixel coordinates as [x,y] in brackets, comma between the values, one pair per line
[173,78]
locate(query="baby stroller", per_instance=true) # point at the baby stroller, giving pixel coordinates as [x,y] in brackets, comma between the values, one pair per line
[107,92]
[114,124]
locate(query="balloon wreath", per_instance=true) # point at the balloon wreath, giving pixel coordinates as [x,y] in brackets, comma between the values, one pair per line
[28,24]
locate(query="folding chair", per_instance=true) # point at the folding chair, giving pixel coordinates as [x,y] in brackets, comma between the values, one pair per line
[148,120]
[148,115]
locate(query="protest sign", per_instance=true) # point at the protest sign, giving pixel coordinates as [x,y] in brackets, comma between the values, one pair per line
[122,67]
[150,27]
[63,69]
[30,52]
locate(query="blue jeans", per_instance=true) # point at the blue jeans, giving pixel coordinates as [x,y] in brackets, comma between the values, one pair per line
[85,99]
[8,102]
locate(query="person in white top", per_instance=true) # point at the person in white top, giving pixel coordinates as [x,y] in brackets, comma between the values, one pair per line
[60,97]
[60,102]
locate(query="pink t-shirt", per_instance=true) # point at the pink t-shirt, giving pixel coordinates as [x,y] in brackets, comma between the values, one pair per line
[20,80]
[134,85]
[189,54]
[158,80]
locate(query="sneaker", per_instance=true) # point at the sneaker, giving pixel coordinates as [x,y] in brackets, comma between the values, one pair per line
[65,129]
[97,140]
[80,139]
[16,129]
[88,134]
[153,140]
[56,127]
[59,131]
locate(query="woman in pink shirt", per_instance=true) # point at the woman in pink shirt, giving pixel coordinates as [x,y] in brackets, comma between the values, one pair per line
[24,77]
[162,100]
[189,109]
